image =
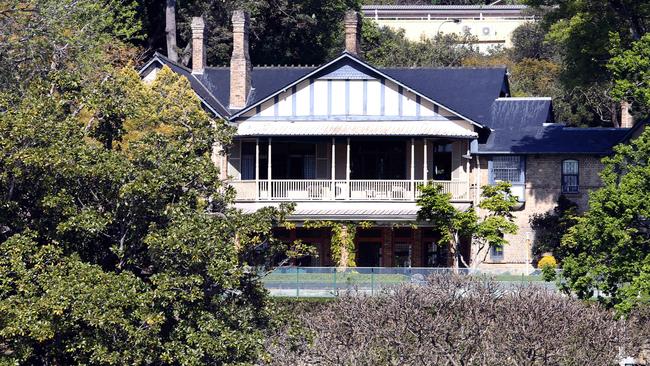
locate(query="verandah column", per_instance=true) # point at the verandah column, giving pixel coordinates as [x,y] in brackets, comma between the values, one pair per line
[347,169]
[413,167]
[268,170]
[425,168]
[257,168]
[333,189]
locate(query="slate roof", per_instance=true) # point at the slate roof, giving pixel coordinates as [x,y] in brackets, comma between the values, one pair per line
[453,86]
[524,126]
[265,81]
[197,85]
[512,125]
[448,86]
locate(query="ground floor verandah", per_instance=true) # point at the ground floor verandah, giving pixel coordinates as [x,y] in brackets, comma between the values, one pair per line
[379,246]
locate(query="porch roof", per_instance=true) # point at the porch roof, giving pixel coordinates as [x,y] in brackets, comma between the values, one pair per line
[354,128]
[349,210]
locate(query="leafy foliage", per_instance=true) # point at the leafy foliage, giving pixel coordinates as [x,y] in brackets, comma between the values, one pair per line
[118,244]
[581,32]
[489,231]
[609,248]
[62,39]
[384,47]
[550,227]
[528,42]
[282,31]
[631,72]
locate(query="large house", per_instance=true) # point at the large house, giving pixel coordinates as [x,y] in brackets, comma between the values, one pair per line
[350,142]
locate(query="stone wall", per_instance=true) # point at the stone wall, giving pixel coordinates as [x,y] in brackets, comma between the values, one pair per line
[543,188]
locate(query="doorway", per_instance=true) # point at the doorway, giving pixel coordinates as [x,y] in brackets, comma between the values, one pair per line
[378,159]
[368,254]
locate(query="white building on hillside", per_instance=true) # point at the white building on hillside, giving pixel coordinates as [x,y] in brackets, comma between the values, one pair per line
[491,24]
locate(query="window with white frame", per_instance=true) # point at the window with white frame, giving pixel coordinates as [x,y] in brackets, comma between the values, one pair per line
[507,168]
[570,174]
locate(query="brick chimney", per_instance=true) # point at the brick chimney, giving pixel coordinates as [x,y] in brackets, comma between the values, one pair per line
[198,48]
[240,62]
[353,32]
[627,120]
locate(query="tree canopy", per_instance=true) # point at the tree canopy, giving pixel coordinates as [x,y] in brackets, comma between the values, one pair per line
[282,31]
[486,231]
[609,248]
[118,243]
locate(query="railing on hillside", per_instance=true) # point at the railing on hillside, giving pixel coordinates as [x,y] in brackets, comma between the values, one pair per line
[335,190]
[332,281]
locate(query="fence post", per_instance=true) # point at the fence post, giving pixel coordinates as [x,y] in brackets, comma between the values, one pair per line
[372,281]
[297,283]
[336,292]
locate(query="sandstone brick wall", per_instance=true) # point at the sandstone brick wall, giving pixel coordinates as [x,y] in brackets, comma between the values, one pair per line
[543,188]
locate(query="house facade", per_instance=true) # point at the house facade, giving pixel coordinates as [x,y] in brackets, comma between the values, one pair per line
[349,142]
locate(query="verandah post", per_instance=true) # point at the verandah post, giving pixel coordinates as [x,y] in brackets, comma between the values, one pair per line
[347,170]
[425,168]
[413,167]
[268,171]
[333,189]
[257,168]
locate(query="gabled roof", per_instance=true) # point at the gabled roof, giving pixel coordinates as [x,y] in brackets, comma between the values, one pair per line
[347,57]
[524,126]
[447,87]
[512,125]
[206,96]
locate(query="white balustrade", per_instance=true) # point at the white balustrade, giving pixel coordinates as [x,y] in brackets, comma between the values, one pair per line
[301,190]
[382,190]
[339,190]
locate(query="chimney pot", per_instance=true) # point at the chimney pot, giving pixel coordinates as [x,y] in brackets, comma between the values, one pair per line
[198,48]
[627,120]
[352,32]
[240,62]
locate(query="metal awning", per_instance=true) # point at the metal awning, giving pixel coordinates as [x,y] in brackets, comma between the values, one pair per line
[355,128]
[349,210]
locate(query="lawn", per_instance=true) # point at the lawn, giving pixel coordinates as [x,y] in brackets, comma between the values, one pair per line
[353,277]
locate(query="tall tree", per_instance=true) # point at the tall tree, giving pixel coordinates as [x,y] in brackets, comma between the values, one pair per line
[282,31]
[118,242]
[118,232]
[631,72]
[609,248]
[581,33]
[170,29]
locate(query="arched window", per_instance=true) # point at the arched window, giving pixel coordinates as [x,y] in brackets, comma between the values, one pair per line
[570,174]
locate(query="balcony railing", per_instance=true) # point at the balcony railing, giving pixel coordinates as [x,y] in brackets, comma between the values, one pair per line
[335,190]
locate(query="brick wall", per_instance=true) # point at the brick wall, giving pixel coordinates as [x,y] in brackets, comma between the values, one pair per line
[543,188]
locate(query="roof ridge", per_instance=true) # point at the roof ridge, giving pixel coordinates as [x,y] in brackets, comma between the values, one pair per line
[443,67]
[175,63]
[596,128]
[522,98]
[269,67]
